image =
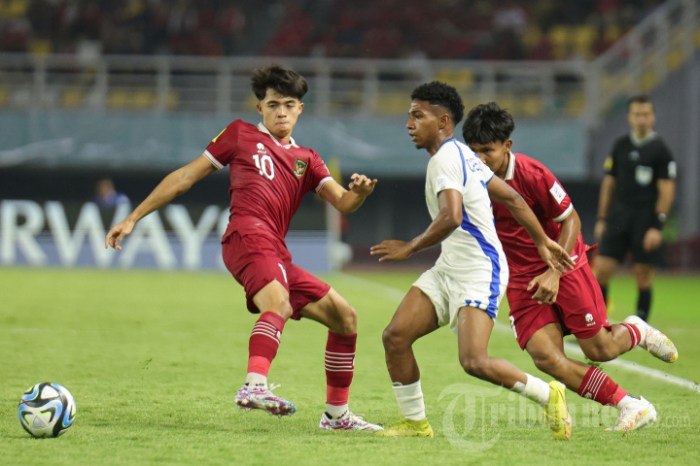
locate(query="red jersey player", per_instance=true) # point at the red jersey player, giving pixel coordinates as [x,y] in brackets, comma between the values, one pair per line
[545,305]
[269,175]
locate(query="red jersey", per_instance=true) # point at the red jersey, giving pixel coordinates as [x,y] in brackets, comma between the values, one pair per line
[268,179]
[551,205]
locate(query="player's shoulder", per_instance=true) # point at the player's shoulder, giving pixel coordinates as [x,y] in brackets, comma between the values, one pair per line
[530,166]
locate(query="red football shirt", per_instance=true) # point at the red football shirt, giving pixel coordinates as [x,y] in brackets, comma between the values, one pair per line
[268,179]
[550,203]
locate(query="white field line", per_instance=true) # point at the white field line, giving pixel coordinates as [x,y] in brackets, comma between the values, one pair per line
[395,293]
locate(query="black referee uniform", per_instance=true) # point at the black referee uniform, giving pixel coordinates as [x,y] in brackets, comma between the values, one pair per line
[636,167]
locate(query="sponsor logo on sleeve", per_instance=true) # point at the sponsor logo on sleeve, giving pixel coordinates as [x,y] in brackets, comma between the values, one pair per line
[557,192]
[217,136]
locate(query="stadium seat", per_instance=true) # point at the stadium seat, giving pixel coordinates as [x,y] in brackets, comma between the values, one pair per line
[559,37]
[4,96]
[583,38]
[72,97]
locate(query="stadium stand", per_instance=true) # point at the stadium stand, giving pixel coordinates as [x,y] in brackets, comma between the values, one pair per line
[361,29]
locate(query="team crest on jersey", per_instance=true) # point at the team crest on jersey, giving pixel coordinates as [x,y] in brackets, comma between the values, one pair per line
[474,164]
[634,155]
[300,167]
[261,148]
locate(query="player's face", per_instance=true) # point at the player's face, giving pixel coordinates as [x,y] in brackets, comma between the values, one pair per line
[424,125]
[280,113]
[641,118]
[495,155]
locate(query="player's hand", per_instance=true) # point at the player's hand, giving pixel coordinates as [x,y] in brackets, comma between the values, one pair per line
[599,229]
[361,185]
[547,286]
[118,233]
[652,239]
[555,256]
[392,250]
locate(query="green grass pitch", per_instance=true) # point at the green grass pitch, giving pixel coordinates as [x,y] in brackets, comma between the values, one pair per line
[153,360]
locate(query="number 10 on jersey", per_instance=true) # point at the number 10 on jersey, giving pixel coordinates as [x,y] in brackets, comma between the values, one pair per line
[265,166]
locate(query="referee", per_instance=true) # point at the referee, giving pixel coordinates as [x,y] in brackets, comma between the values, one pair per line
[635,198]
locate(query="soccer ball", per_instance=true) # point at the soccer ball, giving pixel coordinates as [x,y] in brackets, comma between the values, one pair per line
[46,410]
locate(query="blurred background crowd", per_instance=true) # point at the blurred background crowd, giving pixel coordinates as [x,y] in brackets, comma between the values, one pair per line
[436,29]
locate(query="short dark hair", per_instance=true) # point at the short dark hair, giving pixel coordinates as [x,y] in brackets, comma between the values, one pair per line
[437,93]
[487,123]
[639,99]
[286,82]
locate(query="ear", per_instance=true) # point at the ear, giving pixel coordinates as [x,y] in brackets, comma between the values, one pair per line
[508,144]
[259,107]
[444,120]
[301,107]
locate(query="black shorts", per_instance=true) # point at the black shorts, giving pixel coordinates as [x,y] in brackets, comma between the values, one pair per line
[625,231]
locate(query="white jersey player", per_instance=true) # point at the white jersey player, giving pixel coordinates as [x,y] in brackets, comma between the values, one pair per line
[464,287]
[471,255]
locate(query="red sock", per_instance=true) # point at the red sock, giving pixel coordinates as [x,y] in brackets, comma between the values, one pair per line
[598,386]
[264,341]
[340,367]
[635,335]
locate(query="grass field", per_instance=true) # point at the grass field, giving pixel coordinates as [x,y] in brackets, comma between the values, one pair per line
[153,360]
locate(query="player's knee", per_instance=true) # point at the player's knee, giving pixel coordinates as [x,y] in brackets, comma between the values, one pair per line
[547,363]
[394,340]
[348,319]
[476,366]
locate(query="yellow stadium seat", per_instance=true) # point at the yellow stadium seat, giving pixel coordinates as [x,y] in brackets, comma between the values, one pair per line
[575,105]
[648,81]
[142,99]
[559,37]
[531,105]
[72,97]
[40,47]
[4,96]
[118,99]
[583,38]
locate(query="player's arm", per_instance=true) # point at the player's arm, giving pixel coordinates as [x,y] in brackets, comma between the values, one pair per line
[607,188]
[449,217]
[546,285]
[348,200]
[173,185]
[666,191]
[551,252]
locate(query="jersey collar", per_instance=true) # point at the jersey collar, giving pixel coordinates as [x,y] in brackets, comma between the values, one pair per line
[640,142]
[510,171]
[263,129]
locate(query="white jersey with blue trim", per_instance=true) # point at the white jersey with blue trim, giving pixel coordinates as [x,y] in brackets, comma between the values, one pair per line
[474,246]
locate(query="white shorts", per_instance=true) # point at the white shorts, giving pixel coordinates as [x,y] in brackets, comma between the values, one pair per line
[449,294]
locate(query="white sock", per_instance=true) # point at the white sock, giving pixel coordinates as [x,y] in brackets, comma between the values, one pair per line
[410,399]
[336,411]
[534,389]
[253,379]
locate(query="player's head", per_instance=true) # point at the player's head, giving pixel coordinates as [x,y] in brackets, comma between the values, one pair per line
[487,131]
[435,110]
[279,92]
[640,115]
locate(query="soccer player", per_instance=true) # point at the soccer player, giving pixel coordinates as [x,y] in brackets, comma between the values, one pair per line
[464,288]
[544,304]
[635,198]
[269,175]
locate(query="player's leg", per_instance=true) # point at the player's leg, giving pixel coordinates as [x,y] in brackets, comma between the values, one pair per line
[604,268]
[256,265]
[415,317]
[333,311]
[474,327]
[644,276]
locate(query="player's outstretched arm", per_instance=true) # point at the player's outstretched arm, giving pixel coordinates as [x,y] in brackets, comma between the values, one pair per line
[449,217]
[173,185]
[348,200]
[550,251]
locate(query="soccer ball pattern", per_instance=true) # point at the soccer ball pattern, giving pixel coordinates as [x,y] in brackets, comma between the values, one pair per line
[46,410]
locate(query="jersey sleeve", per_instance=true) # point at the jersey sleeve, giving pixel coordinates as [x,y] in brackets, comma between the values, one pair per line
[610,165]
[444,172]
[665,166]
[222,149]
[319,173]
[552,196]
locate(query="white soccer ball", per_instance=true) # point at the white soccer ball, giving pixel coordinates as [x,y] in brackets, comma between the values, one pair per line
[46,410]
